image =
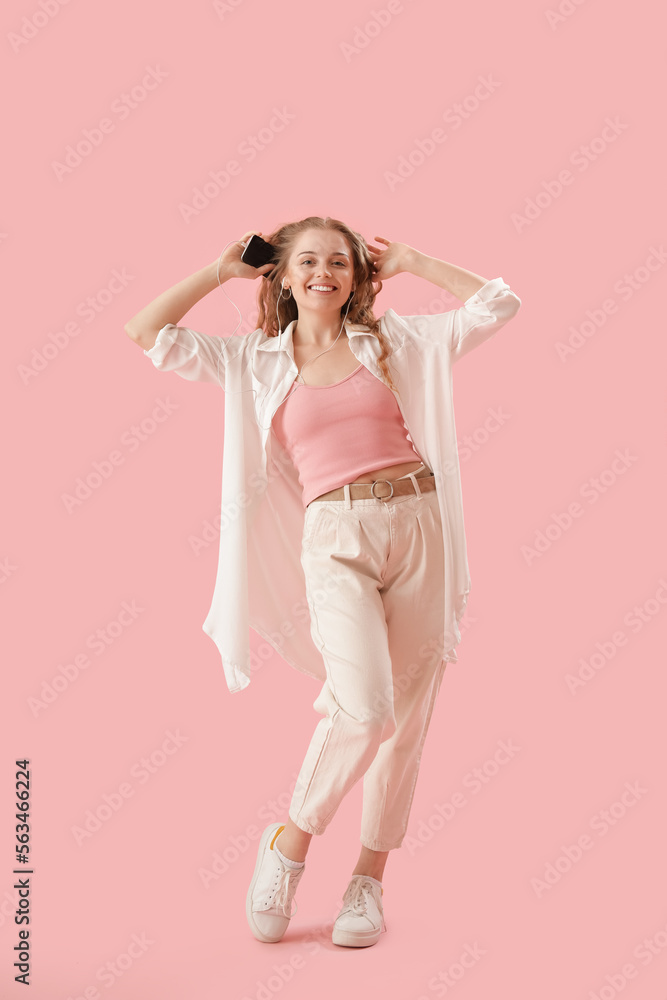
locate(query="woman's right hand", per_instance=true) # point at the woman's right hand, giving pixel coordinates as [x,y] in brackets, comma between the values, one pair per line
[231,264]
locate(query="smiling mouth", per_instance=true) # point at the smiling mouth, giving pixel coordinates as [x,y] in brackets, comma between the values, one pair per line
[322,289]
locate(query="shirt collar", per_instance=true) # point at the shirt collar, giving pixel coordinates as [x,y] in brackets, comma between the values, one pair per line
[272,343]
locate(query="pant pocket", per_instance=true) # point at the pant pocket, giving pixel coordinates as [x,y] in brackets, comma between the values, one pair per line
[428,513]
[312,520]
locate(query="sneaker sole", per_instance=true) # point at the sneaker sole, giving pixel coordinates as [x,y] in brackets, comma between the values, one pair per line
[352,939]
[268,834]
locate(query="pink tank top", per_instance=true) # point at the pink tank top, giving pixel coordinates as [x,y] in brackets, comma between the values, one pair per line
[335,433]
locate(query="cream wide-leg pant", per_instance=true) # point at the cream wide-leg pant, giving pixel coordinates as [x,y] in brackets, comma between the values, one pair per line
[374,577]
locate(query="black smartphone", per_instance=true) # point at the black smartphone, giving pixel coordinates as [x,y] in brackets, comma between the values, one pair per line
[259,252]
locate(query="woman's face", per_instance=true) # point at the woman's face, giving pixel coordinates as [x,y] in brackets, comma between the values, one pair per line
[320,257]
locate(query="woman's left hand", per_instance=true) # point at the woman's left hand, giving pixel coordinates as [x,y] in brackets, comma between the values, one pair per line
[390,260]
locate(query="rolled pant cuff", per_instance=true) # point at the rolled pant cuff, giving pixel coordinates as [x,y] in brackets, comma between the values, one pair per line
[378,846]
[306,827]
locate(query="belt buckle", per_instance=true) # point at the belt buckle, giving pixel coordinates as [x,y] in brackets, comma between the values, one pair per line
[387,481]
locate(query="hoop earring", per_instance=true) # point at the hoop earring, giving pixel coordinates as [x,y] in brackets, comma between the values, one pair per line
[288,297]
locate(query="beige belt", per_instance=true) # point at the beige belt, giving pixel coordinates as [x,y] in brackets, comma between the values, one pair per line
[382,489]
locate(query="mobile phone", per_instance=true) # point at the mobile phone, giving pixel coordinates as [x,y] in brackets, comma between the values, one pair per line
[259,252]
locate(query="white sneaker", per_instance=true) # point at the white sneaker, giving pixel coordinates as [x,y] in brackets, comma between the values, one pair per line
[271,892]
[361,920]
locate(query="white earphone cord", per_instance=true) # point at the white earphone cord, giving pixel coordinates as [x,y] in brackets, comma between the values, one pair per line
[223,340]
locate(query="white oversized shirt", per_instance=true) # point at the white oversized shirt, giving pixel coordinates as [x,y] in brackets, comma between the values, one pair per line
[260,582]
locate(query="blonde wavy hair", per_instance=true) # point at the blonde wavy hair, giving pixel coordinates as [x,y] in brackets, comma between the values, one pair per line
[269,299]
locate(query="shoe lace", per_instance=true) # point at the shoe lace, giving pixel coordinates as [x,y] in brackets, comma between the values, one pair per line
[356,898]
[284,889]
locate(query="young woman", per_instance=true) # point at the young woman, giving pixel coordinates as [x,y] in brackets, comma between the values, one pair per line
[342,511]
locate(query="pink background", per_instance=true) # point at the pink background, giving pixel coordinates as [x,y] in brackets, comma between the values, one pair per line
[469,881]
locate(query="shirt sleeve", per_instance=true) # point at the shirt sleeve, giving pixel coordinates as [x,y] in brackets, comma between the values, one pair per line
[463,329]
[194,356]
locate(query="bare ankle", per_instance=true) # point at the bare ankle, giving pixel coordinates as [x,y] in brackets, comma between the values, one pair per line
[290,851]
[371,863]
[369,873]
[294,842]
